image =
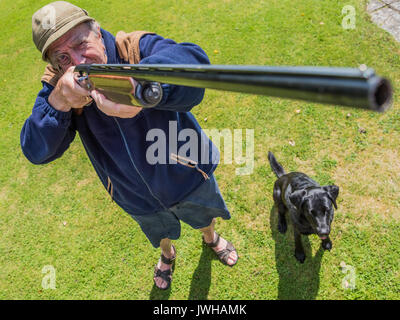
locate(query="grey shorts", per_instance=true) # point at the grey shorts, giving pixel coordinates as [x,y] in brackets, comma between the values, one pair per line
[197,210]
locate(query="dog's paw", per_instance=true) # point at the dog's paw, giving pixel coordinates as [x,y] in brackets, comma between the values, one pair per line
[300,256]
[282,227]
[327,245]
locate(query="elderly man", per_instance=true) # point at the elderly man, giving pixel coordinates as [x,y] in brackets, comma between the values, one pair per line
[158,196]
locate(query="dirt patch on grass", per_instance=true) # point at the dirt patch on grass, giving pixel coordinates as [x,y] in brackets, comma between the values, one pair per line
[305,166]
[3,193]
[22,175]
[84,182]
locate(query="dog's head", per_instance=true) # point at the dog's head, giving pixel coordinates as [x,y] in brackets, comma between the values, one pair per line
[317,206]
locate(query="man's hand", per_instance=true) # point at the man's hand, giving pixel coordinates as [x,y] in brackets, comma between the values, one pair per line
[68,93]
[113,109]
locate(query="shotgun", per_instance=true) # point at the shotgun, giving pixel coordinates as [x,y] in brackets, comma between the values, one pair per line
[140,84]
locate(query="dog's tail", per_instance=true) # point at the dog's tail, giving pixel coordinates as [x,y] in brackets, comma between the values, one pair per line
[275,165]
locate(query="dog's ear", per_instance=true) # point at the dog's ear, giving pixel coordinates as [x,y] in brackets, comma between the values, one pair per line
[333,192]
[297,198]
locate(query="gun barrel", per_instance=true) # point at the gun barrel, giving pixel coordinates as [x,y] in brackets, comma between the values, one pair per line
[359,88]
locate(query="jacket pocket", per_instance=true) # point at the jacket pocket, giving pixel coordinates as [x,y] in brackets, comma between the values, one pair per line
[189,163]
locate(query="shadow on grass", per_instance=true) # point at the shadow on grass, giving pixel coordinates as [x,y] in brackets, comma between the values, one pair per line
[296,280]
[201,279]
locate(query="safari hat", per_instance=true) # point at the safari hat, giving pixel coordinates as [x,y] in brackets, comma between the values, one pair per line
[53,21]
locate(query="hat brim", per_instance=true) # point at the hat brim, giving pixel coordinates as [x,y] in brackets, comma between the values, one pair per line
[59,33]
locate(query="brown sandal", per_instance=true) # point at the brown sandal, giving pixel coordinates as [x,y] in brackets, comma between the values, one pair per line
[223,255]
[166,275]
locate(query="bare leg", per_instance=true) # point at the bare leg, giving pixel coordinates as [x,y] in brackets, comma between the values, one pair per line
[208,232]
[210,236]
[168,252]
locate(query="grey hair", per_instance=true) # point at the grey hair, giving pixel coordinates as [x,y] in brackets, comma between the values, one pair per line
[93,26]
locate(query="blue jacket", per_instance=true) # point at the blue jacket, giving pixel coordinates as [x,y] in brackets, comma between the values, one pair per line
[117,147]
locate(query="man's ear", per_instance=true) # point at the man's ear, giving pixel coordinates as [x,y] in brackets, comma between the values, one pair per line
[333,192]
[297,198]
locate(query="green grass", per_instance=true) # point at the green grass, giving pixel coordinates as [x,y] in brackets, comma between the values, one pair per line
[58,214]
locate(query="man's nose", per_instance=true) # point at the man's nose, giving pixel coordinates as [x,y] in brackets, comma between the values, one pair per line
[77,58]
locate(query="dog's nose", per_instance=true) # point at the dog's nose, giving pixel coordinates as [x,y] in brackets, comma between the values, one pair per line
[323,232]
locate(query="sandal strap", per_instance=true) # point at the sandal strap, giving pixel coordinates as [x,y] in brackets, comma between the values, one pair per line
[214,243]
[224,253]
[166,260]
[165,275]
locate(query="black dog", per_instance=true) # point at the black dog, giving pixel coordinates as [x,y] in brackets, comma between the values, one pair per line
[309,206]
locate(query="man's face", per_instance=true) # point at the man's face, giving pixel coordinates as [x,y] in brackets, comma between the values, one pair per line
[77,46]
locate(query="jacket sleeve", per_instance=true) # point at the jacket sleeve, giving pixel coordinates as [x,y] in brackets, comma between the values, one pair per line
[155,49]
[47,133]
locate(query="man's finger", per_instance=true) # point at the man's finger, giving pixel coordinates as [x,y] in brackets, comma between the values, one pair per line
[97,97]
[114,109]
[102,102]
[76,86]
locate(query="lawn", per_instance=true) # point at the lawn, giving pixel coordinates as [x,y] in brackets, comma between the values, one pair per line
[59,215]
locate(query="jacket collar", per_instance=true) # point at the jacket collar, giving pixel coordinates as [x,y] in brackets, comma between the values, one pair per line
[111,48]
